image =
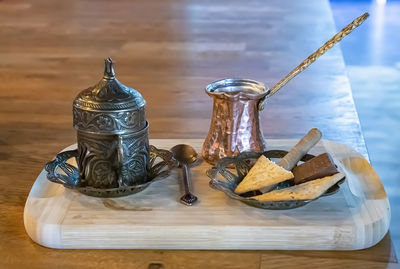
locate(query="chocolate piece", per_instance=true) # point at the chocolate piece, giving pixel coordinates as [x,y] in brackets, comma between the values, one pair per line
[318,167]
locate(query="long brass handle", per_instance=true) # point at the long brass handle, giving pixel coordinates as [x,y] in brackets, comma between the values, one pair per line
[319,52]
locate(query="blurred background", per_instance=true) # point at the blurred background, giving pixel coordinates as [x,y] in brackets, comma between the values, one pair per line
[372,58]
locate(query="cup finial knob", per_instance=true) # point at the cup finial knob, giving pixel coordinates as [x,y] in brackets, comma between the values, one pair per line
[109,72]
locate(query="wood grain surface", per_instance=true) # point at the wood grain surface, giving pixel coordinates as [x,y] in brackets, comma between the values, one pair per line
[356,217]
[168,50]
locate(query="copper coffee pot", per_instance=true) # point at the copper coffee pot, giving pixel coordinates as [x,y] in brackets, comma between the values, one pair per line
[235,123]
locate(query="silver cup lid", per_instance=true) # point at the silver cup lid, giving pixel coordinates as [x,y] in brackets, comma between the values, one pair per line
[109,107]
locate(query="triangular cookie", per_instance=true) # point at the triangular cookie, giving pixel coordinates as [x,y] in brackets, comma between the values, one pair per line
[264,173]
[309,190]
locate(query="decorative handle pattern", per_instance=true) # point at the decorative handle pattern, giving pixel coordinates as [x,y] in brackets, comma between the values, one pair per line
[69,177]
[59,171]
[319,52]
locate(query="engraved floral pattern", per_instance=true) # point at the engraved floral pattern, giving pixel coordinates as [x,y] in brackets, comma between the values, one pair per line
[135,159]
[104,122]
[109,161]
[109,107]
[129,119]
[134,172]
[159,167]
[109,122]
[97,161]
[103,174]
[109,94]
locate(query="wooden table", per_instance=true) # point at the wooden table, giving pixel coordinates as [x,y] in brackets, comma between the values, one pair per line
[168,50]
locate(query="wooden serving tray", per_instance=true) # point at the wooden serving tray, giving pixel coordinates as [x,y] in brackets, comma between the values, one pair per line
[356,217]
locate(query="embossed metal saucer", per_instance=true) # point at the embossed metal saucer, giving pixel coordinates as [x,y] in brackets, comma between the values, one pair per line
[242,164]
[63,172]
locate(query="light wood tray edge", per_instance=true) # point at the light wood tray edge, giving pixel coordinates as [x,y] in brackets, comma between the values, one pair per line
[376,209]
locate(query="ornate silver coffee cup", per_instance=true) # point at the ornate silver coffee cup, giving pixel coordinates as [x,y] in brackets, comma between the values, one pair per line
[112,134]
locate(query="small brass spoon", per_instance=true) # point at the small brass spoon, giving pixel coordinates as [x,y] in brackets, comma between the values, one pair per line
[185,155]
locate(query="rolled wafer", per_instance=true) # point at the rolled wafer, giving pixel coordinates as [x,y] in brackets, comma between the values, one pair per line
[300,149]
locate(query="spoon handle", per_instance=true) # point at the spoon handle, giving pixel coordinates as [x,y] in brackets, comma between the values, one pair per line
[324,48]
[188,198]
[186,180]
